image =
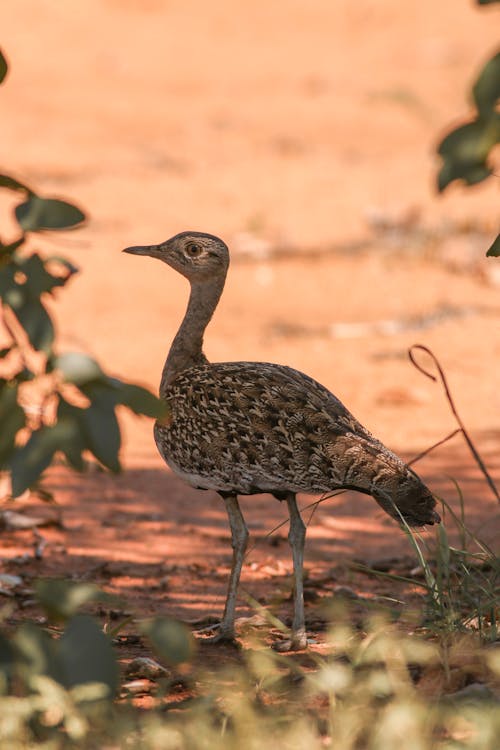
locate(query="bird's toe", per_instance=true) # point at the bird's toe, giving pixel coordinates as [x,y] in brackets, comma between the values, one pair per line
[227,639]
[297,642]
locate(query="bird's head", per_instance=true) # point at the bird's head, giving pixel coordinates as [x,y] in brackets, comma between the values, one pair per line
[405,496]
[196,255]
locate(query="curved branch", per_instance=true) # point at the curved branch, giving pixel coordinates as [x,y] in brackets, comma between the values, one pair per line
[442,378]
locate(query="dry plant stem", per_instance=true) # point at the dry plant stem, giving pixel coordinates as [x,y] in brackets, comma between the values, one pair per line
[421,455]
[313,505]
[453,408]
[316,503]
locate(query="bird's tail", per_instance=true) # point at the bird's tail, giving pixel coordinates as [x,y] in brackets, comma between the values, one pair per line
[369,467]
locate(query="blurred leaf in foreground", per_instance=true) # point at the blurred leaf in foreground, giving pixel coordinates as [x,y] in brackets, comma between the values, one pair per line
[100,425]
[36,455]
[58,419]
[82,655]
[486,90]
[23,281]
[78,368]
[38,280]
[4,68]
[12,419]
[494,250]
[47,213]
[61,599]
[84,372]
[465,151]
[87,654]
[11,183]
[171,639]
[37,652]
[138,399]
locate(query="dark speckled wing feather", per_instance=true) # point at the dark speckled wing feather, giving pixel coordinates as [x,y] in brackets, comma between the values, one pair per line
[259,427]
[245,427]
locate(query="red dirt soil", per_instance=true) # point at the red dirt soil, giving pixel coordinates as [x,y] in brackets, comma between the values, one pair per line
[278,126]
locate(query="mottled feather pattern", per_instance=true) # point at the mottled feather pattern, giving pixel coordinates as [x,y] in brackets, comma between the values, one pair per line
[252,427]
[240,428]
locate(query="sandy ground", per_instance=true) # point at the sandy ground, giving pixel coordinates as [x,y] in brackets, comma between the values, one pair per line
[304,135]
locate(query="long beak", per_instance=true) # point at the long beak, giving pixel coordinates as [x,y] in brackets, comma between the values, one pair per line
[152,250]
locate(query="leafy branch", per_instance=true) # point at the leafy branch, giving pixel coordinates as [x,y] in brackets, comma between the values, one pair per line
[50,402]
[466,150]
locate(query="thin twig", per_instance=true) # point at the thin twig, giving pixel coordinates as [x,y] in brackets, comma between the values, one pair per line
[314,509]
[453,408]
[436,445]
[312,505]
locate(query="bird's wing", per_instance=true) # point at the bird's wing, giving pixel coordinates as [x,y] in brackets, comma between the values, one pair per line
[256,423]
[278,387]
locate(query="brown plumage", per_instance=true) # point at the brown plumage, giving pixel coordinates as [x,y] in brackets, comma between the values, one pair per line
[241,428]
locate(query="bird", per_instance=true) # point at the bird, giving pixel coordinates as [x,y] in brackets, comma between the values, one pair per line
[242,428]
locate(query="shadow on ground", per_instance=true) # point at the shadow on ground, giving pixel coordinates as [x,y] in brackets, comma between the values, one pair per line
[164,548]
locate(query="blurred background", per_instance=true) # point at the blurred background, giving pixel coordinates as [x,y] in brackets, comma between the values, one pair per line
[302,133]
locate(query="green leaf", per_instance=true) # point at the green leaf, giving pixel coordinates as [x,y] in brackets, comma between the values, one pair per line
[487,2]
[72,449]
[30,461]
[171,639]
[486,90]
[47,213]
[98,422]
[38,279]
[22,282]
[37,653]
[10,248]
[7,661]
[4,67]
[6,181]
[83,371]
[465,150]
[34,318]
[140,400]
[102,432]
[471,174]
[70,268]
[494,251]
[61,599]
[87,655]
[8,284]
[12,419]
[25,375]
[78,368]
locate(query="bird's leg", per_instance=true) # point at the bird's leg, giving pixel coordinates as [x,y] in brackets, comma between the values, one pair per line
[239,539]
[296,538]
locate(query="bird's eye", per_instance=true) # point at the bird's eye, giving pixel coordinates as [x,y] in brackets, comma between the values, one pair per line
[193,250]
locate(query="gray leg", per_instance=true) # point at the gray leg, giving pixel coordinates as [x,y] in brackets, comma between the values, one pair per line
[296,538]
[239,539]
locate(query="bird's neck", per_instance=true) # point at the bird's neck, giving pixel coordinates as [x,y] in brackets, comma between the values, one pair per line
[187,347]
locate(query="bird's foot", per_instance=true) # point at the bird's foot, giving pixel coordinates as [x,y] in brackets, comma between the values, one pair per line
[221,637]
[297,642]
